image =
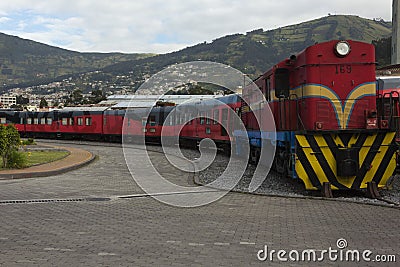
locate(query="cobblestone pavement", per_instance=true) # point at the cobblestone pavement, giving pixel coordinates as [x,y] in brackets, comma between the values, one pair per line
[141,231]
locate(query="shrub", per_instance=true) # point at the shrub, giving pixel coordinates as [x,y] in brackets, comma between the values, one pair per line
[28,142]
[9,142]
[17,160]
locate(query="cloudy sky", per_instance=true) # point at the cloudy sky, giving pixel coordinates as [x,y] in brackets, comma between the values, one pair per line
[160,26]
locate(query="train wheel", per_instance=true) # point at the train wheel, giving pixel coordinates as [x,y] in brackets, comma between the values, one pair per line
[281,162]
[255,155]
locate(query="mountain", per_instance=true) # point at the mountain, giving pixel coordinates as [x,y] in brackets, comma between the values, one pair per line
[252,53]
[23,60]
[256,51]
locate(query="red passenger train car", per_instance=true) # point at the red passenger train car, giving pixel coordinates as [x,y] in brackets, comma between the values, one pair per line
[102,123]
[212,119]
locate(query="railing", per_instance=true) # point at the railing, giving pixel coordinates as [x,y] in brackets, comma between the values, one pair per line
[391,112]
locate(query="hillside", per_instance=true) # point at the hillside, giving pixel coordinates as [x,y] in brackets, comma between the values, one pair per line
[24,60]
[252,53]
[256,51]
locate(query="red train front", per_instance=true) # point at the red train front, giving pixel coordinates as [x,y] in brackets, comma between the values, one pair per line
[329,133]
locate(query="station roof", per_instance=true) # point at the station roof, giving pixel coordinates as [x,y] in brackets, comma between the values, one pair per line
[84,108]
[136,101]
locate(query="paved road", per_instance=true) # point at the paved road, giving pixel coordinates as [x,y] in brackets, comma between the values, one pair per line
[141,231]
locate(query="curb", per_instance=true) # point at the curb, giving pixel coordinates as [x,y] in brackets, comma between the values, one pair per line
[26,174]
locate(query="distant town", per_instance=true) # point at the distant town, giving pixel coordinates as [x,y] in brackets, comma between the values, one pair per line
[89,92]
[62,93]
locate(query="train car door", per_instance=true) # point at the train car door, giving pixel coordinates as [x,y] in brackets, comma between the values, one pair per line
[57,123]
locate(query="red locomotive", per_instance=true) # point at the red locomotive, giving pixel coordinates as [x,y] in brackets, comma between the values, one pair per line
[329,132]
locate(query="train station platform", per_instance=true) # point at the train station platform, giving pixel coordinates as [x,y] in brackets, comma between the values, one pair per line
[77,158]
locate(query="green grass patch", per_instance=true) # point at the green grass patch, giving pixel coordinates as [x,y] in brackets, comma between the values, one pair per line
[41,157]
[31,158]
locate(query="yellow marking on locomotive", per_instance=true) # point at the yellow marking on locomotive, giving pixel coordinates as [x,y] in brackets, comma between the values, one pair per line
[330,158]
[326,152]
[357,93]
[366,147]
[337,140]
[384,146]
[301,173]
[388,172]
[312,159]
[353,140]
[342,110]
[376,158]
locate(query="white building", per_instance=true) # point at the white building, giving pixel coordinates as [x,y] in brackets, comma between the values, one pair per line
[8,101]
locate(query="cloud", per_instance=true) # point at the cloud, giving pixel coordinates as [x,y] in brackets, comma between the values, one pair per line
[162,26]
[4,19]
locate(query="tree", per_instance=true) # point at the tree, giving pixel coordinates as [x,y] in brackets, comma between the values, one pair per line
[9,143]
[193,89]
[22,100]
[43,103]
[56,103]
[383,51]
[75,98]
[97,96]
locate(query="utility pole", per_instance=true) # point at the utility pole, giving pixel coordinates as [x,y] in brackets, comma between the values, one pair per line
[395,55]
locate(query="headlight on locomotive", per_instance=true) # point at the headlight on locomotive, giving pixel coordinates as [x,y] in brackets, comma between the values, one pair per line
[342,48]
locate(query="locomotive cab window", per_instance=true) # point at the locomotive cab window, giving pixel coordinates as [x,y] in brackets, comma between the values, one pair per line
[282,85]
[3,120]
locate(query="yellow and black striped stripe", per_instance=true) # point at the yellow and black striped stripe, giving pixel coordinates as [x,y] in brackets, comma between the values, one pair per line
[317,159]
